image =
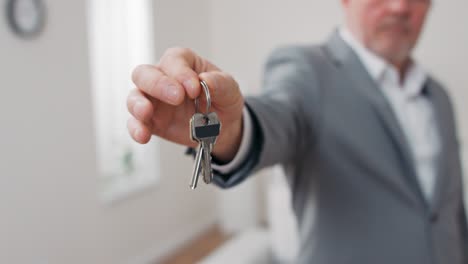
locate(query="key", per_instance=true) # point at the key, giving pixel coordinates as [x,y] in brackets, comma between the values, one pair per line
[208,140]
[205,129]
[196,169]
[196,120]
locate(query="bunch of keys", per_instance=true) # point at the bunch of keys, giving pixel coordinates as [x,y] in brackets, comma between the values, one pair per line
[204,129]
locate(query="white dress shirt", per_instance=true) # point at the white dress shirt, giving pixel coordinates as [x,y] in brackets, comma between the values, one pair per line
[412,108]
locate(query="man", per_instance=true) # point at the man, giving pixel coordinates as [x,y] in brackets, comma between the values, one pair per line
[366,137]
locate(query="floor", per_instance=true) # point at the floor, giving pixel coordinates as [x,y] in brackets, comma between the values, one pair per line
[199,248]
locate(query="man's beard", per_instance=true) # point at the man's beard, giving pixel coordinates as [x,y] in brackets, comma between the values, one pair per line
[399,52]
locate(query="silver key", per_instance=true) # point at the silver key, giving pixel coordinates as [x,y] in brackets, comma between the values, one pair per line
[196,169]
[196,120]
[213,128]
[204,128]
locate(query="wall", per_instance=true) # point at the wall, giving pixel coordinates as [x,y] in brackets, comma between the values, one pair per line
[49,206]
[245,32]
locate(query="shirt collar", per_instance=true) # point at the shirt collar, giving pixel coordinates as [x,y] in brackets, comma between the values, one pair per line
[381,71]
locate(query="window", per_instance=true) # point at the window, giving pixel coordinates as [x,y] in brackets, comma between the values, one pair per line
[120,37]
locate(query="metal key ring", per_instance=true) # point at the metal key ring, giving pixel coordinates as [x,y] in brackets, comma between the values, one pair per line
[208,97]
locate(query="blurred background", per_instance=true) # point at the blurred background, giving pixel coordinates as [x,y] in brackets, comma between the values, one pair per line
[75,189]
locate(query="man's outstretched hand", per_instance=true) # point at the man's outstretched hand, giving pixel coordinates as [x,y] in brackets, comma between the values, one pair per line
[163,101]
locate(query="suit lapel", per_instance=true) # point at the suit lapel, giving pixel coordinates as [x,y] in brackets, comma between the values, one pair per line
[354,69]
[443,125]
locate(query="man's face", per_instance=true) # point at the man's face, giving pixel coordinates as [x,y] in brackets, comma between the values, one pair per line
[389,28]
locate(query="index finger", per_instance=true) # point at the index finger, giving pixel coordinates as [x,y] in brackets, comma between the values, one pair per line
[152,81]
[183,65]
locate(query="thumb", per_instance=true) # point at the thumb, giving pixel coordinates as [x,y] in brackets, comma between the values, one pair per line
[224,90]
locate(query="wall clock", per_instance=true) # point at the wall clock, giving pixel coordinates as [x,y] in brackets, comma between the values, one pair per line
[26,17]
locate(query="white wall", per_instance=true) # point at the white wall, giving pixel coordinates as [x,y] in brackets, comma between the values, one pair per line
[49,206]
[244,32]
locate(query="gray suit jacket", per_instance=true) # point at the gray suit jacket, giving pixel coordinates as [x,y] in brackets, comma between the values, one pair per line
[325,120]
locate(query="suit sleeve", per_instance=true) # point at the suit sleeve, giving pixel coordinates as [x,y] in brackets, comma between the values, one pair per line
[464,228]
[285,116]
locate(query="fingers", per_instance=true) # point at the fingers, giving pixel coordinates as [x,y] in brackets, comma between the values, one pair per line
[139,106]
[175,75]
[183,64]
[138,131]
[155,83]
[224,90]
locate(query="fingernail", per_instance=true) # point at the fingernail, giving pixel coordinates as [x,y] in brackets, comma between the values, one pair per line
[190,84]
[172,93]
[138,133]
[138,109]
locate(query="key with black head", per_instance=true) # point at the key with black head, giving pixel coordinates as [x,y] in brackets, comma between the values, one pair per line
[207,135]
[204,128]
[196,120]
